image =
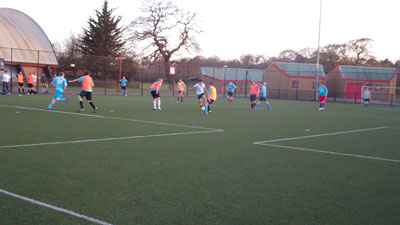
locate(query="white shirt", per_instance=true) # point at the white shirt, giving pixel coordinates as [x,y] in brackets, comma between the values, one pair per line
[6,77]
[199,88]
[367,94]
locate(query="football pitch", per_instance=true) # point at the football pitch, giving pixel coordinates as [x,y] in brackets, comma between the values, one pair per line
[128,164]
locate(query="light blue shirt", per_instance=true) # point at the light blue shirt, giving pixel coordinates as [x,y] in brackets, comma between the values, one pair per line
[60,83]
[231,87]
[322,90]
[123,82]
[366,94]
[263,91]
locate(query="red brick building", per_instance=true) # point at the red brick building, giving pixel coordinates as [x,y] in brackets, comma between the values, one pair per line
[347,82]
[292,80]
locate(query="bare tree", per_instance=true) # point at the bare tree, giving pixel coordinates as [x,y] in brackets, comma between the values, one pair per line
[163,31]
[288,55]
[360,51]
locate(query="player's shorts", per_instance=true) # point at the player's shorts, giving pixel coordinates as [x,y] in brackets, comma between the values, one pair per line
[87,94]
[322,98]
[58,94]
[200,96]
[21,84]
[45,85]
[30,85]
[123,87]
[180,92]
[253,98]
[367,100]
[211,101]
[263,98]
[230,94]
[155,94]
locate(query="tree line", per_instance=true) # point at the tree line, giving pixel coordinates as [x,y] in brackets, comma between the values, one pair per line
[163,32]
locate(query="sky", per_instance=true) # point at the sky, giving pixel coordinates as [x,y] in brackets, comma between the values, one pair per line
[233,28]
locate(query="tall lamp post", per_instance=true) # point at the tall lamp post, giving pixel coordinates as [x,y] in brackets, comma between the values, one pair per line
[319,39]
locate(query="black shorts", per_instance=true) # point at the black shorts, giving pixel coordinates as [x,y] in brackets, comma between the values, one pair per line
[230,94]
[30,85]
[253,98]
[367,100]
[211,101]
[263,98]
[21,84]
[155,94]
[179,92]
[123,87]
[200,96]
[88,95]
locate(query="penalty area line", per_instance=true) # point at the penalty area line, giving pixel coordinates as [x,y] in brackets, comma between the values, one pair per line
[108,139]
[332,153]
[66,211]
[319,135]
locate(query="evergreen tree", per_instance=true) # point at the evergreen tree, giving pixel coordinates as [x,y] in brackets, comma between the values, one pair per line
[103,37]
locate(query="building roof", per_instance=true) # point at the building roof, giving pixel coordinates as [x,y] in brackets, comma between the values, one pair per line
[300,69]
[24,36]
[233,73]
[370,73]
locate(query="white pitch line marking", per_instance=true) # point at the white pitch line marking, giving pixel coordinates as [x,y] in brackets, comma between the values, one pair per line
[90,219]
[333,153]
[319,135]
[110,117]
[107,139]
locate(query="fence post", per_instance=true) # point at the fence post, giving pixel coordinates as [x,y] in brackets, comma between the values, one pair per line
[355,97]
[334,97]
[391,100]
[141,80]
[37,74]
[173,89]
[11,67]
[279,93]
[297,94]
[187,81]
[235,82]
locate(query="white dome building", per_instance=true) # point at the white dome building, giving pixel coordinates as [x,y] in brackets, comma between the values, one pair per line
[24,45]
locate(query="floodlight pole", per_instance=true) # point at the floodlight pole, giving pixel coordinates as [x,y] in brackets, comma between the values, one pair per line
[319,41]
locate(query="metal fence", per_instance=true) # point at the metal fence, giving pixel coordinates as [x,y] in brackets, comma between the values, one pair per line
[106,72]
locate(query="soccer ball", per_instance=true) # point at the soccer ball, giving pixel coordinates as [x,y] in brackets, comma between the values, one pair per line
[203,108]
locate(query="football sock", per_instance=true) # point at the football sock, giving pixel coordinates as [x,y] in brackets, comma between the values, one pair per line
[91,104]
[50,105]
[63,99]
[155,103]
[19,91]
[208,108]
[81,104]
[23,91]
[205,109]
[159,103]
[269,107]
